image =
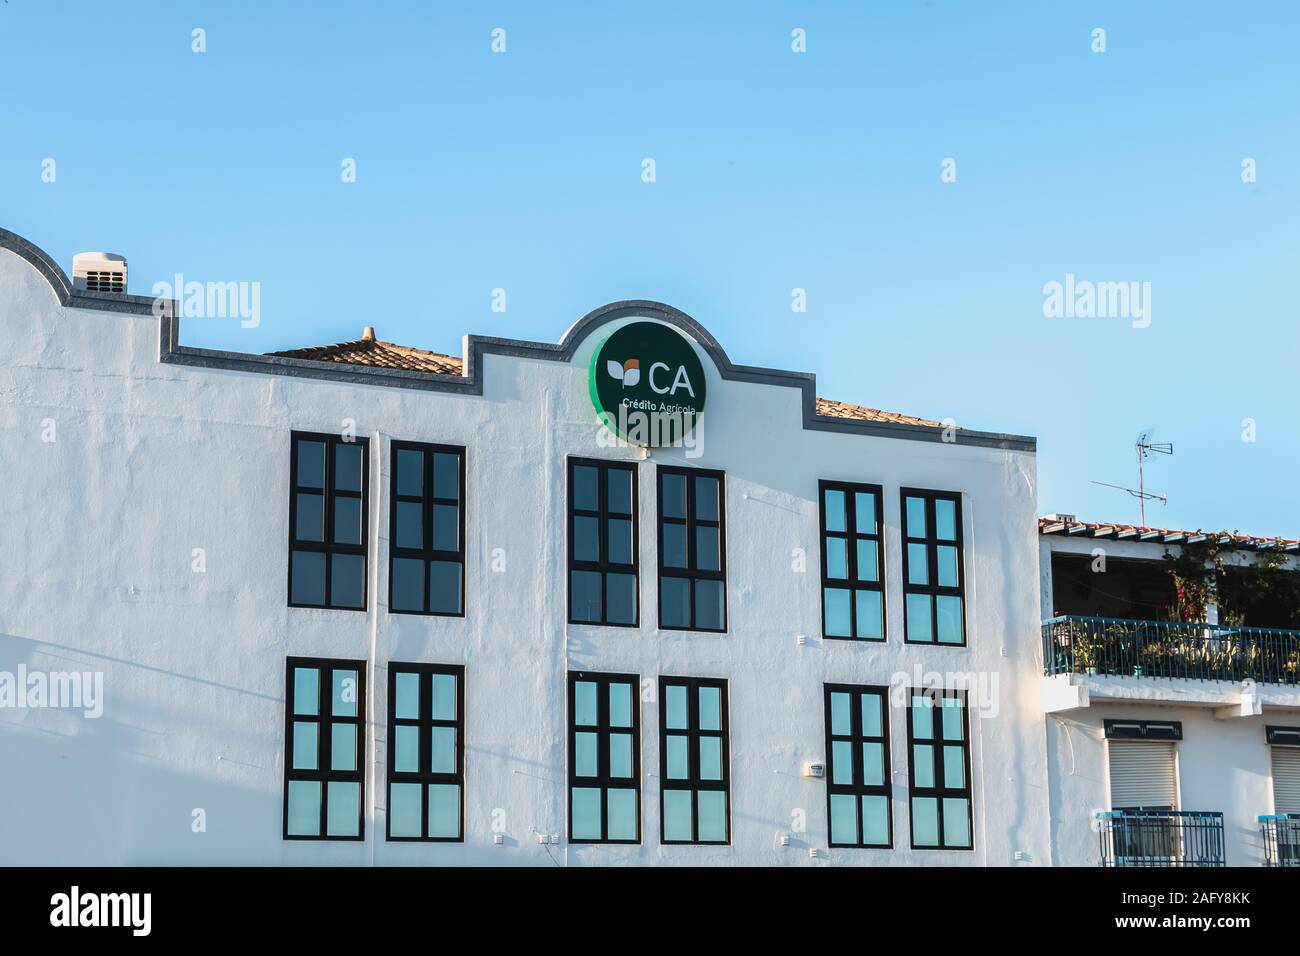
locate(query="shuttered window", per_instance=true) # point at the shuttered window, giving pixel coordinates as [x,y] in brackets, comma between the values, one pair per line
[1286,779]
[1142,774]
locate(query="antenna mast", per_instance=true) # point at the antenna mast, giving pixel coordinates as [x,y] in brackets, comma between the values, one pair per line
[1145,447]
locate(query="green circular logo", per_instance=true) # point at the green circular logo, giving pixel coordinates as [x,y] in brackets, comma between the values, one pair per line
[647,384]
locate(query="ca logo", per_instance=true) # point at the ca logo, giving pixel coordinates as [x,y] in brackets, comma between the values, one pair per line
[629,373]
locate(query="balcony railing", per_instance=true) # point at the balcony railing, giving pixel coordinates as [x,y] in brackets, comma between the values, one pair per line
[1160,838]
[1281,833]
[1107,645]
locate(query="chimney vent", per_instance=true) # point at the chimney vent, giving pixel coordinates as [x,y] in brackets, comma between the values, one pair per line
[99,272]
[368,334]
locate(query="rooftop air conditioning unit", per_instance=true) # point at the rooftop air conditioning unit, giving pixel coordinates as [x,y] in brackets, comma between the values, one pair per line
[99,272]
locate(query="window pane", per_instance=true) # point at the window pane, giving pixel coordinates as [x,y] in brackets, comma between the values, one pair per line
[347,520]
[840,714]
[916,518]
[706,549]
[306,690]
[956,822]
[620,541]
[922,718]
[622,814]
[343,808]
[678,757]
[444,696]
[871,723]
[837,612]
[343,747]
[834,501]
[409,532]
[347,466]
[713,816]
[404,809]
[406,749]
[952,722]
[708,604]
[443,759]
[620,491]
[675,602]
[347,581]
[945,519]
[408,584]
[706,498]
[586,813]
[308,575]
[919,623]
[584,703]
[925,821]
[309,520]
[844,818]
[710,758]
[865,517]
[407,704]
[837,558]
[584,754]
[673,496]
[871,626]
[954,768]
[304,808]
[875,820]
[947,572]
[923,765]
[586,538]
[584,596]
[620,755]
[674,546]
[444,587]
[677,815]
[620,598]
[710,708]
[345,690]
[444,810]
[842,762]
[446,528]
[620,704]
[306,744]
[918,571]
[311,464]
[410,472]
[586,491]
[868,565]
[873,764]
[446,475]
[948,609]
[675,702]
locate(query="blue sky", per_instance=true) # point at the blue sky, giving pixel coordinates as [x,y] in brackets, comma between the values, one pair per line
[774,171]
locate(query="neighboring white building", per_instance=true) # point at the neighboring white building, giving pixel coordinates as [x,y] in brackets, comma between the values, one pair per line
[1168,742]
[162,518]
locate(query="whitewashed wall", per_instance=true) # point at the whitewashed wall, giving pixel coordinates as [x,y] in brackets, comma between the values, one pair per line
[152,461]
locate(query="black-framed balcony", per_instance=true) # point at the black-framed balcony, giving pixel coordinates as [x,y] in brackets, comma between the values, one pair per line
[1160,838]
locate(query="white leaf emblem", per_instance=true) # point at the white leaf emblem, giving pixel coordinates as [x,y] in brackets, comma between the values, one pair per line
[615,370]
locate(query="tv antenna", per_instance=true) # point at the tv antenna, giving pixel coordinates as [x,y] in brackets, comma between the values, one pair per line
[1145,448]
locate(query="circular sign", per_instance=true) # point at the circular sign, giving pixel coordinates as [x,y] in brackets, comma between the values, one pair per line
[647,384]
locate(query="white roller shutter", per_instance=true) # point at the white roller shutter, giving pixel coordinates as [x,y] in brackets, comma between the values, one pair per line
[1286,779]
[1142,774]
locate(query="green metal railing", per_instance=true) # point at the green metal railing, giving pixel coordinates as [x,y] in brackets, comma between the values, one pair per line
[1160,838]
[1281,833]
[1120,646]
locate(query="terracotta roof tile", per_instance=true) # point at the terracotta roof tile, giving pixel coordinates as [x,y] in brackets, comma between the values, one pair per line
[1072,526]
[833,409]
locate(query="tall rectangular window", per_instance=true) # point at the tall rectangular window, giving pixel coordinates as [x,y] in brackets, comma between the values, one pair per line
[694,760]
[853,559]
[933,575]
[858,778]
[692,550]
[325,749]
[426,752]
[328,491]
[939,786]
[427,546]
[603,543]
[604,758]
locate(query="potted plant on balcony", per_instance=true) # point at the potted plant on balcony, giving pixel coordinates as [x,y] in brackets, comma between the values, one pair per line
[1084,653]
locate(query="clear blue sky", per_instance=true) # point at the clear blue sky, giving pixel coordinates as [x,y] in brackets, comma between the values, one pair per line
[775,170]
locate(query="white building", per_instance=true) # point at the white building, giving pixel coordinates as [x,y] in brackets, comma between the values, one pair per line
[175,518]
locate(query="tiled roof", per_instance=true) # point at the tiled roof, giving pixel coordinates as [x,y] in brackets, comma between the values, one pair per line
[367,350]
[1071,526]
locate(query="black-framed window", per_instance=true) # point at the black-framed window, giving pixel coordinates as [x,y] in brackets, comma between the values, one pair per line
[325,749]
[694,761]
[328,491]
[604,758]
[604,541]
[939,787]
[426,752]
[853,561]
[427,537]
[692,549]
[857,773]
[933,568]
